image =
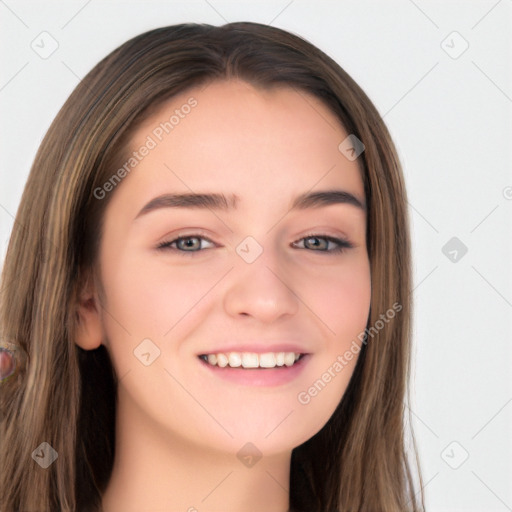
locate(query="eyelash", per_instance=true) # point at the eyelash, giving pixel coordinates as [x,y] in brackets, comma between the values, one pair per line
[343,244]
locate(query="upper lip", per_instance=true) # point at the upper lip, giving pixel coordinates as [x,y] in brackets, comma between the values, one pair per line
[257,348]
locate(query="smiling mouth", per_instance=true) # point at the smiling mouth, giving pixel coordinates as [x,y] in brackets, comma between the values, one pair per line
[246,360]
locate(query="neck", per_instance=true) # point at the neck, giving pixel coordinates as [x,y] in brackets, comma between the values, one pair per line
[155,470]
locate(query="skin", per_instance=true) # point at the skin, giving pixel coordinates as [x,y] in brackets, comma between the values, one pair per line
[179,428]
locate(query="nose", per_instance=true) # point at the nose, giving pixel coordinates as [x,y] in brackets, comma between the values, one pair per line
[261,289]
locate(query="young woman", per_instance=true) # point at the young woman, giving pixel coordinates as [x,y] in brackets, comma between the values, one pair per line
[206,296]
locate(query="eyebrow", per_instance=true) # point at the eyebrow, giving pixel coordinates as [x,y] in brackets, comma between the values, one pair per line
[221,202]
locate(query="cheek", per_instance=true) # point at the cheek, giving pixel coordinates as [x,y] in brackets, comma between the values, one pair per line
[341,300]
[149,298]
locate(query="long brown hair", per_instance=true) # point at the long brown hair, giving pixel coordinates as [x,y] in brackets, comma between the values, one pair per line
[66,396]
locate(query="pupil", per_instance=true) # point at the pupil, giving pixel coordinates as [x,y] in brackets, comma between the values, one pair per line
[190,242]
[316,242]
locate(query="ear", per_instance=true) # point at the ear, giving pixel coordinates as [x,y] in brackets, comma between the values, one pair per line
[89,330]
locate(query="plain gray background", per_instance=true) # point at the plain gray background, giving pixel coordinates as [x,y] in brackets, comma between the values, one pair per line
[440,75]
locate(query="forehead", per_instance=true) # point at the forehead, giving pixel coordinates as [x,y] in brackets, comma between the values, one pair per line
[227,104]
[232,135]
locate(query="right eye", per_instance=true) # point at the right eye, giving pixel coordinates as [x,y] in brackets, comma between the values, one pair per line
[190,243]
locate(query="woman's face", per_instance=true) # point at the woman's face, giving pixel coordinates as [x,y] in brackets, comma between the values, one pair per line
[248,277]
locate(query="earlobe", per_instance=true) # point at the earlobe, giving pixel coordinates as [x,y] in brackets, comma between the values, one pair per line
[88,331]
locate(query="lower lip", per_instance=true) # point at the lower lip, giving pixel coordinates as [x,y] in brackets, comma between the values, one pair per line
[264,377]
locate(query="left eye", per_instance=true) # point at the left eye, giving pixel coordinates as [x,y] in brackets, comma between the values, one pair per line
[322,243]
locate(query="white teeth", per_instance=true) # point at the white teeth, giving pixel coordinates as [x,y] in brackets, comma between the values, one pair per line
[267,360]
[252,360]
[222,360]
[289,358]
[234,360]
